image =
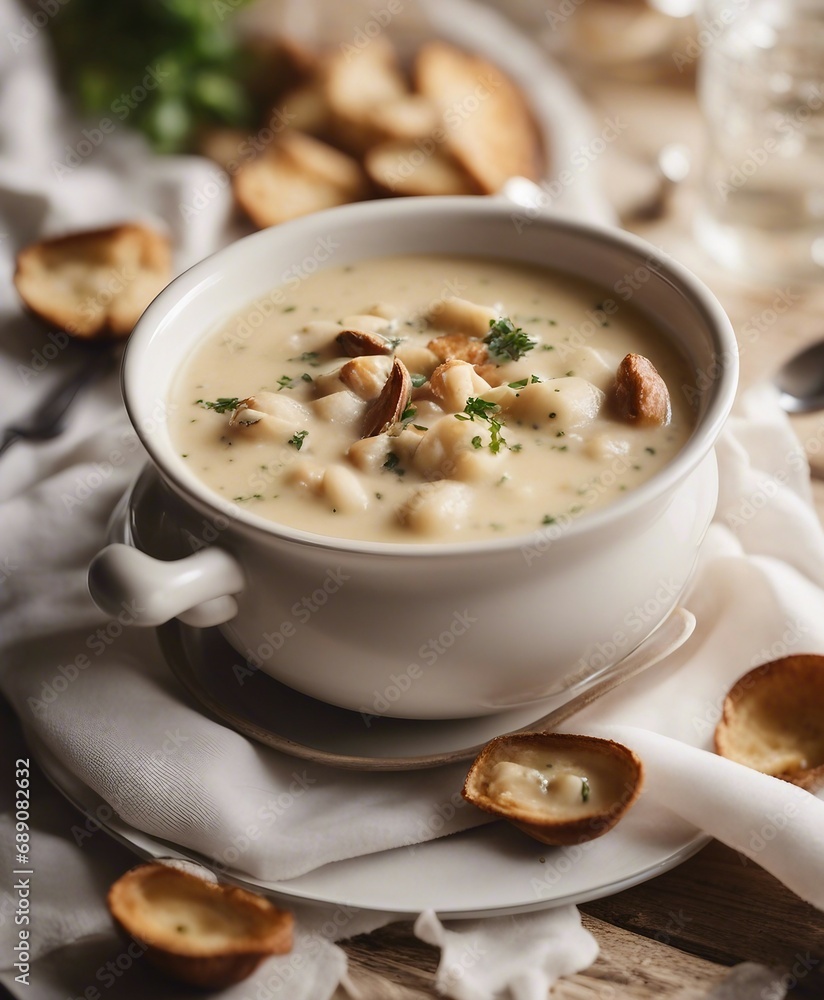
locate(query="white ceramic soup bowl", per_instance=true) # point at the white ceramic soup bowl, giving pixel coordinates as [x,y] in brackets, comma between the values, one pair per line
[423,630]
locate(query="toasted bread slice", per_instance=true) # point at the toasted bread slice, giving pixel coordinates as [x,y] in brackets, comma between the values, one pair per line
[297,176]
[773,720]
[198,932]
[403,168]
[95,283]
[489,127]
[277,64]
[305,108]
[357,81]
[566,809]
[409,117]
[225,146]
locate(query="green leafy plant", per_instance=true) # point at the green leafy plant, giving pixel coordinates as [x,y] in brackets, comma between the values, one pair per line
[167,67]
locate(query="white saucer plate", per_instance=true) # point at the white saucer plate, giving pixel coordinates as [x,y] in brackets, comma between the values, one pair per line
[493,870]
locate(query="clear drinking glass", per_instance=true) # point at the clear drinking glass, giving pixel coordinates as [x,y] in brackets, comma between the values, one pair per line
[761,91]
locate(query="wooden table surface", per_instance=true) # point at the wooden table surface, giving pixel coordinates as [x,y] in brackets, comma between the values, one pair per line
[674,937]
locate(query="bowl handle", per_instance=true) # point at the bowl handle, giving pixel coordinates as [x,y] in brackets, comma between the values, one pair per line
[198,589]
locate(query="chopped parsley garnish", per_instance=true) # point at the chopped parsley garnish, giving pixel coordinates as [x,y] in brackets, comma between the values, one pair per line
[409,414]
[477,442]
[515,447]
[477,407]
[650,451]
[392,464]
[221,405]
[485,410]
[585,789]
[548,520]
[506,341]
[297,439]
[285,382]
[308,358]
[418,380]
[254,496]
[524,382]
[289,309]
[306,377]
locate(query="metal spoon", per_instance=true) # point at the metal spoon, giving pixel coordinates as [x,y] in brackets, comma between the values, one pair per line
[801,381]
[672,167]
[48,419]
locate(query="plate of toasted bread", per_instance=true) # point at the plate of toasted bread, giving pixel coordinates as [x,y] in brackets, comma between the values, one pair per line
[442,99]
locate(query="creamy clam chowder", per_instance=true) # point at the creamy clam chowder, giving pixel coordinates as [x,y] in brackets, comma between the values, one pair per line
[425,398]
[570,785]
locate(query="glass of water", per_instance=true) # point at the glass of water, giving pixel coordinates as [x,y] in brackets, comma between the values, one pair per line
[761,91]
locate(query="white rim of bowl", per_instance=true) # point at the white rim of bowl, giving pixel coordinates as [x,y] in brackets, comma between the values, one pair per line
[703,438]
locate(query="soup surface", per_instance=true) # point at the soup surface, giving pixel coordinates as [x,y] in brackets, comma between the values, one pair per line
[425,398]
[568,786]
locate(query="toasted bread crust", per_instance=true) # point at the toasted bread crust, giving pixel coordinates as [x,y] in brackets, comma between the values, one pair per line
[552,830]
[254,928]
[297,175]
[402,168]
[95,283]
[490,130]
[773,720]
